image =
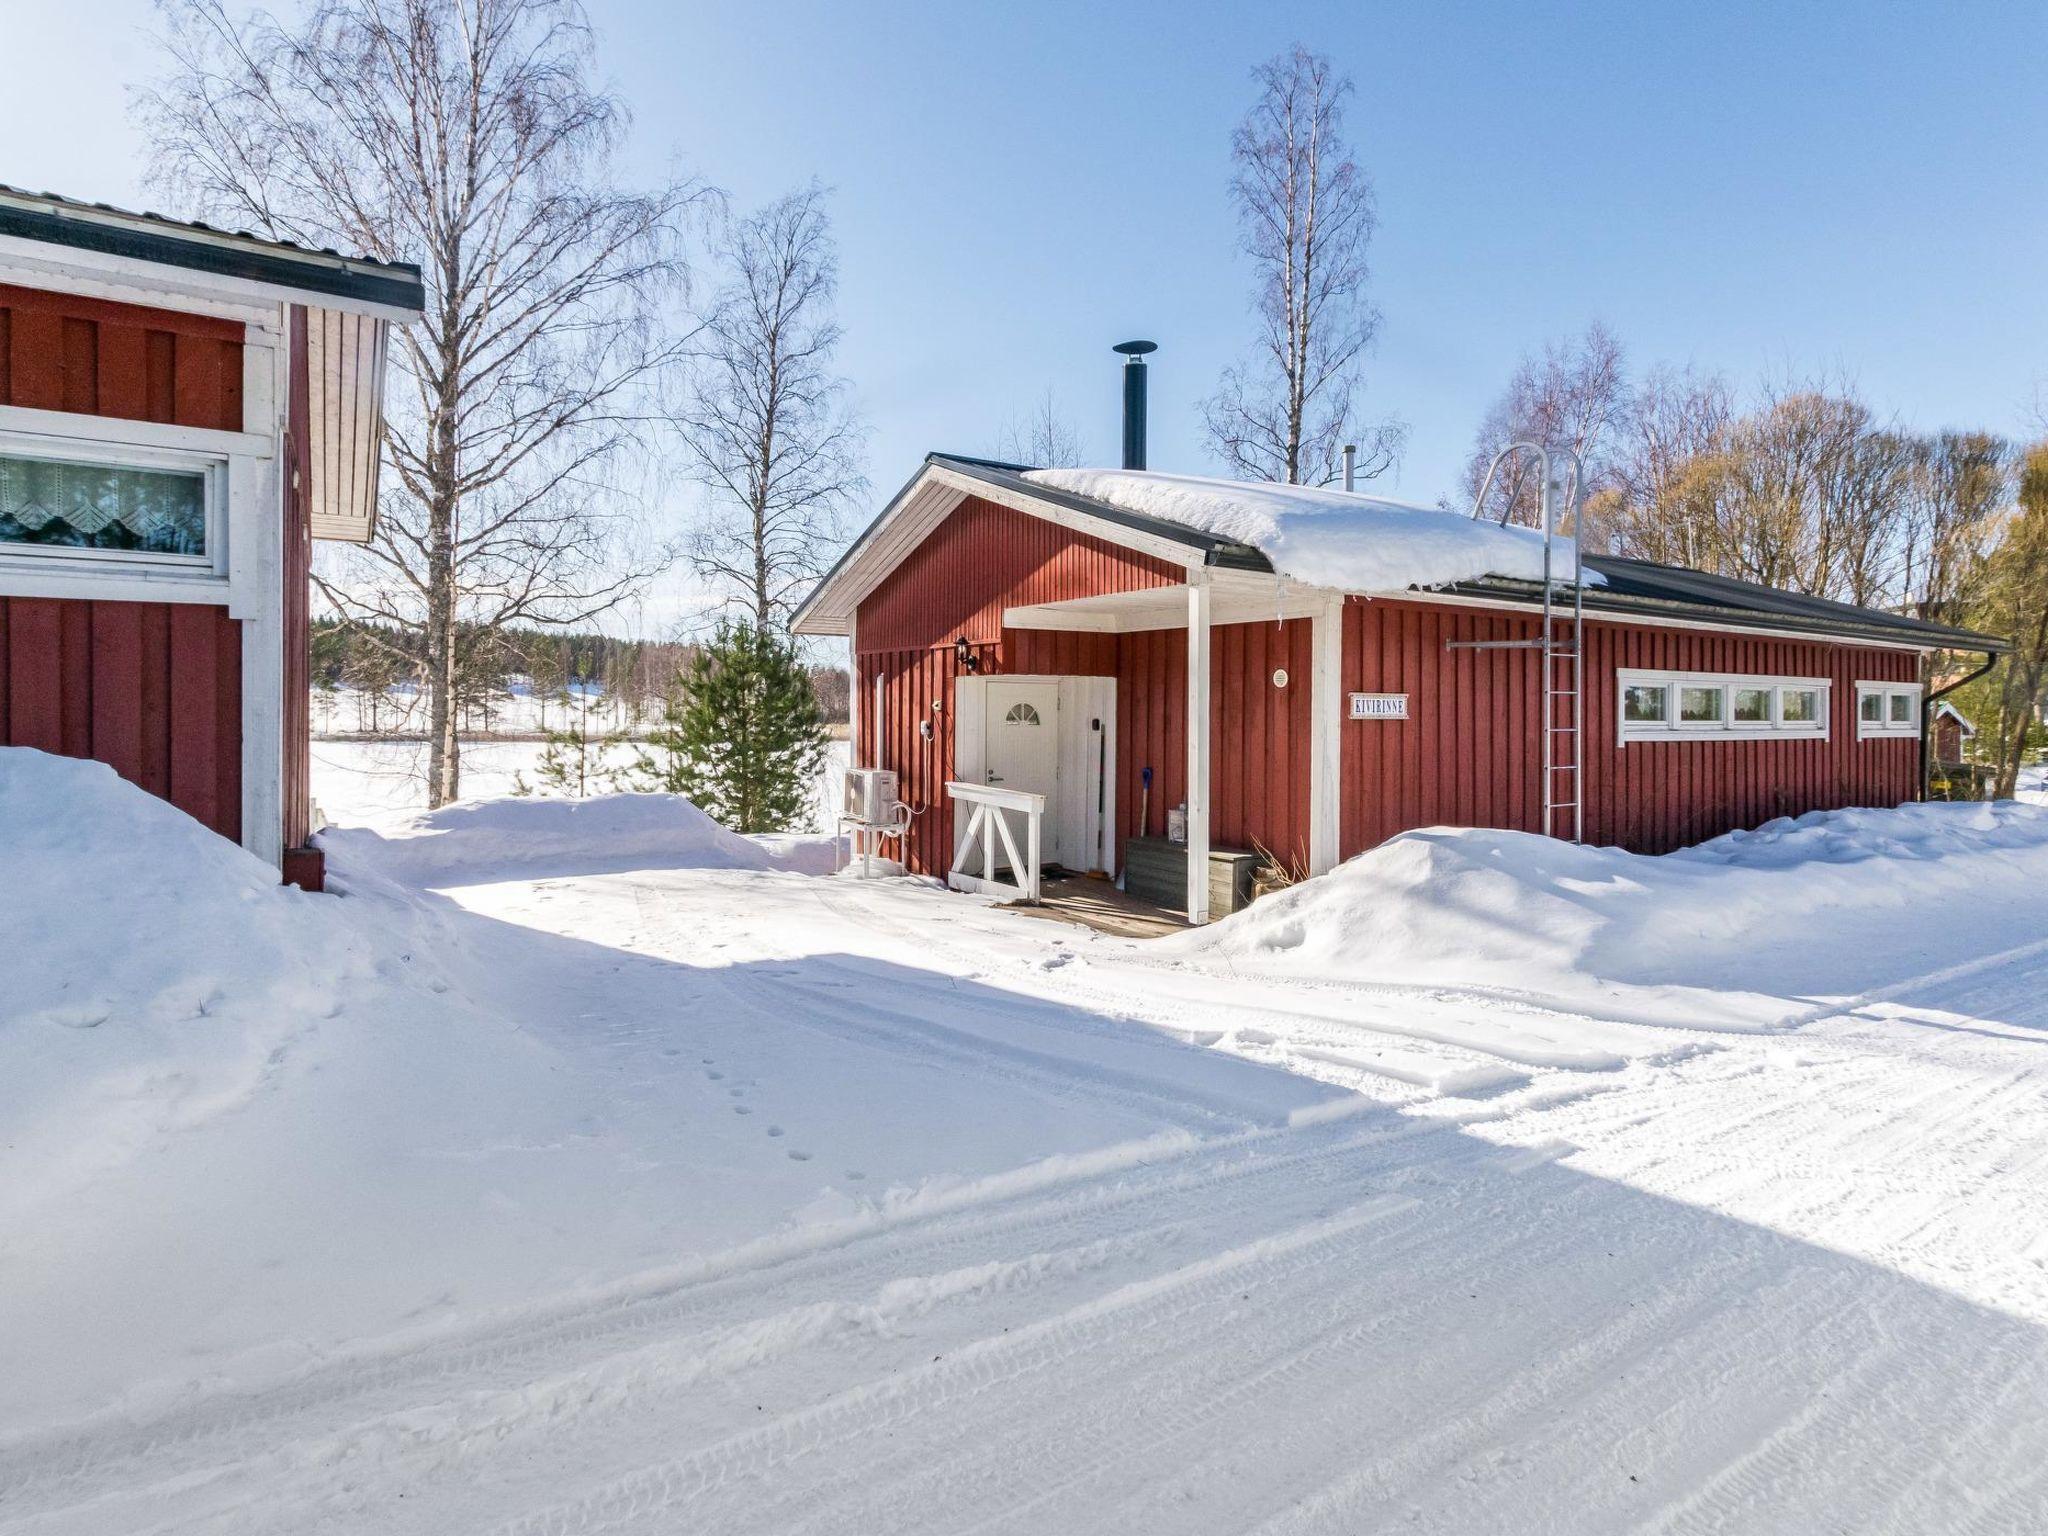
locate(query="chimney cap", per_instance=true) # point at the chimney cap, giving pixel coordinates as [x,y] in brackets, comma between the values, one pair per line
[1135,348]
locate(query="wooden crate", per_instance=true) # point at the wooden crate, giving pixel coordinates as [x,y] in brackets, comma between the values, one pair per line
[1156,871]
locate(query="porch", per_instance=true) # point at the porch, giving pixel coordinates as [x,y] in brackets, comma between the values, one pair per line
[1231,706]
[1218,694]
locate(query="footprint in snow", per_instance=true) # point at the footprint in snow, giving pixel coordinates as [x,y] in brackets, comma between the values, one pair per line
[715,1076]
[741,1109]
[855,1173]
[774,1130]
[798,1157]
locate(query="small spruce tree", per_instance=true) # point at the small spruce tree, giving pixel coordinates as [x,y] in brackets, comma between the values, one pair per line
[574,762]
[740,734]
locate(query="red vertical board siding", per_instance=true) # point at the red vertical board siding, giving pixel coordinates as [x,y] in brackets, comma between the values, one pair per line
[35,673]
[1469,754]
[154,690]
[1478,763]
[955,585]
[985,558]
[61,352]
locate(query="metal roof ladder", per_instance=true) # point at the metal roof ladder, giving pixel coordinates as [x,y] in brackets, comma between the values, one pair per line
[1560,642]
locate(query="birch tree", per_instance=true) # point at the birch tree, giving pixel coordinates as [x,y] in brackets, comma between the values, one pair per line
[466,135]
[766,424]
[1043,438]
[1573,395]
[1306,215]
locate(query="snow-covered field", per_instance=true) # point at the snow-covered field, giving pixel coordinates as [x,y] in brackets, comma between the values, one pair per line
[371,782]
[586,1167]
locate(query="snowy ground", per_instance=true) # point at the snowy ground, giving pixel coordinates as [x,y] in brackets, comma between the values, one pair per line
[588,1168]
[372,783]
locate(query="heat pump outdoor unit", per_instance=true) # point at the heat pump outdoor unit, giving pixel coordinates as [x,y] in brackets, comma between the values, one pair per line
[870,795]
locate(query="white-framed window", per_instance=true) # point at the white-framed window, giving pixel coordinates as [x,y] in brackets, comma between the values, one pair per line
[1718,706]
[1887,710]
[83,505]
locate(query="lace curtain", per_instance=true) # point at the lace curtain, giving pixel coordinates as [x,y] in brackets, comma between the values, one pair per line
[102,506]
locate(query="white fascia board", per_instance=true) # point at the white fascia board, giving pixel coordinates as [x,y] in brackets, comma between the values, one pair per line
[130,280]
[918,508]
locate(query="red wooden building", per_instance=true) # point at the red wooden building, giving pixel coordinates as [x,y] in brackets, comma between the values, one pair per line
[182,411]
[1037,628]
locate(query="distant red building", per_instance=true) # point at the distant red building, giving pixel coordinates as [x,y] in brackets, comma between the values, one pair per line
[1951,729]
[182,411]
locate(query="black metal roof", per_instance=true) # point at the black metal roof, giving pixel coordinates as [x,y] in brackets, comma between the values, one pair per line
[56,220]
[1672,591]
[1639,588]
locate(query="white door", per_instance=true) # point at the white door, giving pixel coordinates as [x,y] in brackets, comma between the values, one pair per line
[1021,745]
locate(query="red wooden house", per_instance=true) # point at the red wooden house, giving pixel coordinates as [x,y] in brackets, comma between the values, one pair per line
[1310,672]
[182,411]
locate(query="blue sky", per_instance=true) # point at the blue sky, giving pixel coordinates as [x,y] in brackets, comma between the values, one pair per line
[1858,187]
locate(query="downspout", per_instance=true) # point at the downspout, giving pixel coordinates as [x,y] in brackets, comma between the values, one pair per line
[1927,717]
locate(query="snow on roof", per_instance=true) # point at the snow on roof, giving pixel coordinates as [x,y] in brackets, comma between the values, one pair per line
[1331,538]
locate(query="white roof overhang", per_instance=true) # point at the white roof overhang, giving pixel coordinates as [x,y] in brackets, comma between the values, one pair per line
[1235,597]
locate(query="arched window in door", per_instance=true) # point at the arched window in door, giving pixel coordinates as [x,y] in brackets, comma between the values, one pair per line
[1022,714]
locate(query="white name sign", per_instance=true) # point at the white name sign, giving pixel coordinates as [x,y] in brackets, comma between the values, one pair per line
[1379,706]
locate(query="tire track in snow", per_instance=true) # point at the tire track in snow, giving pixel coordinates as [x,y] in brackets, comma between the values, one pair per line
[1095,1198]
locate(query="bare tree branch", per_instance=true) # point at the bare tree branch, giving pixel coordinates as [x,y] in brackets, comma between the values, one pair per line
[1305,209]
[465,135]
[766,425]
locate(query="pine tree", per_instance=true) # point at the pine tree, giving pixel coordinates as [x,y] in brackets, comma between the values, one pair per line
[574,762]
[740,734]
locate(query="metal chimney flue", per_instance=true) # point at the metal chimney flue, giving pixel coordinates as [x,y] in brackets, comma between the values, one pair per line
[1351,466]
[1134,353]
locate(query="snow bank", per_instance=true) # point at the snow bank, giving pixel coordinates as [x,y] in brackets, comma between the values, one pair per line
[476,841]
[1331,538]
[1749,931]
[144,990]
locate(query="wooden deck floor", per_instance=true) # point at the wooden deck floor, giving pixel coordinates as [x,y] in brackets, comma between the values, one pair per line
[1098,904]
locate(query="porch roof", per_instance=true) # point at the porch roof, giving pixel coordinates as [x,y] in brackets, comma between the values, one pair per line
[1235,597]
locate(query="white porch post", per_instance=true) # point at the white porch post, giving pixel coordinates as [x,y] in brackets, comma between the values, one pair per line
[1326,736]
[1198,746]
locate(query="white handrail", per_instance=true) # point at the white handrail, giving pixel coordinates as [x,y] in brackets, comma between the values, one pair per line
[989,826]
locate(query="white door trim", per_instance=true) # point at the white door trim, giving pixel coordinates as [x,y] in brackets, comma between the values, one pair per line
[1076,834]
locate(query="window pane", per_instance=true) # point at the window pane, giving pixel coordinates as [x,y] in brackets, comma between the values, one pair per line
[1699,706]
[1902,709]
[1800,706]
[1646,703]
[1871,707]
[102,506]
[1753,706]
